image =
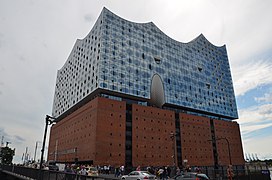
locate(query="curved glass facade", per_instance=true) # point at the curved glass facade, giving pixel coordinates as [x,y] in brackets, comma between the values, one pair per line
[122,56]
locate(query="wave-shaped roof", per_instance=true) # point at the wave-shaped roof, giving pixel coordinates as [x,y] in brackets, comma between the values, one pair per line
[201,36]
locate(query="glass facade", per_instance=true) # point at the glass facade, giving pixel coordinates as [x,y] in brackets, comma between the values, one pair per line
[123,56]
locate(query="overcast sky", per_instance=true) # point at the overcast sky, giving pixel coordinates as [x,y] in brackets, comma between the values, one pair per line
[37,36]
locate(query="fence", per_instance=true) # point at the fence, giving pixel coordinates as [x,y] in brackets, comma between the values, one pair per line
[219,174]
[49,175]
[240,173]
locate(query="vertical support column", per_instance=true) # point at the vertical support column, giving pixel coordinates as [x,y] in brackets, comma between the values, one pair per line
[215,153]
[128,152]
[178,140]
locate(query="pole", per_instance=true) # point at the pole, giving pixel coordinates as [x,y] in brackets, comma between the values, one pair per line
[25,155]
[56,151]
[35,151]
[47,122]
[76,159]
[2,141]
[172,136]
[42,150]
[228,148]
[224,138]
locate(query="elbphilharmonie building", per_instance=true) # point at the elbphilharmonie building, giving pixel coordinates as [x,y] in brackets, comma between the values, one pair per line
[123,78]
[130,59]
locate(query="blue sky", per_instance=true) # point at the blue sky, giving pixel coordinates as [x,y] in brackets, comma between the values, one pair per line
[37,36]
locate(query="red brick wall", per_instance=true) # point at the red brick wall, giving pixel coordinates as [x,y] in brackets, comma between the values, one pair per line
[151,143]
[231,131]
[110,132]
[75,131]
[97,130]
[195,133]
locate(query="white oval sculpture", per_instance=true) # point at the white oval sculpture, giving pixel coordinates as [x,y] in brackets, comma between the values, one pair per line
[157,91]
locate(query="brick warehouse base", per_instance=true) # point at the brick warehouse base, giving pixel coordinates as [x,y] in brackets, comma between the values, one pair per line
[111,132]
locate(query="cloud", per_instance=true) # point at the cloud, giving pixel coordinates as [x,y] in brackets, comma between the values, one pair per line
[19,139]
[258,146]
[255,118]
[1,87]
[249,128]
[266,98]
[266,111]
[2,132]
[1,40]
[9,138]
[14,139]
[22,58]
[251,75]
[88,18]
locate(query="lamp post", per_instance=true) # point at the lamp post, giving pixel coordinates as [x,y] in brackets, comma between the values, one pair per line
[48,121]
[230,162]
[224,138]
[7,143]
[173,137]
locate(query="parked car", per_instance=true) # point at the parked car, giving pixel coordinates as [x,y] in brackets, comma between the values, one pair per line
[139,175]
[191,176]
[92,171]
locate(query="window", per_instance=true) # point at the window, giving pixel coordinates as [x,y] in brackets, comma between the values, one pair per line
[157,60]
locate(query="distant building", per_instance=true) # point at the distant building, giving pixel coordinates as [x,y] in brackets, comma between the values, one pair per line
[130,95]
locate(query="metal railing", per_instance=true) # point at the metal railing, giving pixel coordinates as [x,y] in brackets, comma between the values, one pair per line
[239,173]
[218,174]
[33,173]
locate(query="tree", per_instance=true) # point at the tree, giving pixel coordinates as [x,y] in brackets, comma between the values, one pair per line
[6,155]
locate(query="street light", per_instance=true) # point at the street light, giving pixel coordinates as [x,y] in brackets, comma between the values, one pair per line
[173,137]
[48,121]
[7,143]
[224,138]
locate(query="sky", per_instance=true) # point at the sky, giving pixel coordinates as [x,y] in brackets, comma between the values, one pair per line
[37,36]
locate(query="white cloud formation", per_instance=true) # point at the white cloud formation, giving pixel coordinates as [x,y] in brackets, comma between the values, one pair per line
[89,18]
[251,75]
[253,121]
[255,118]
[258,145]
[266,98]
